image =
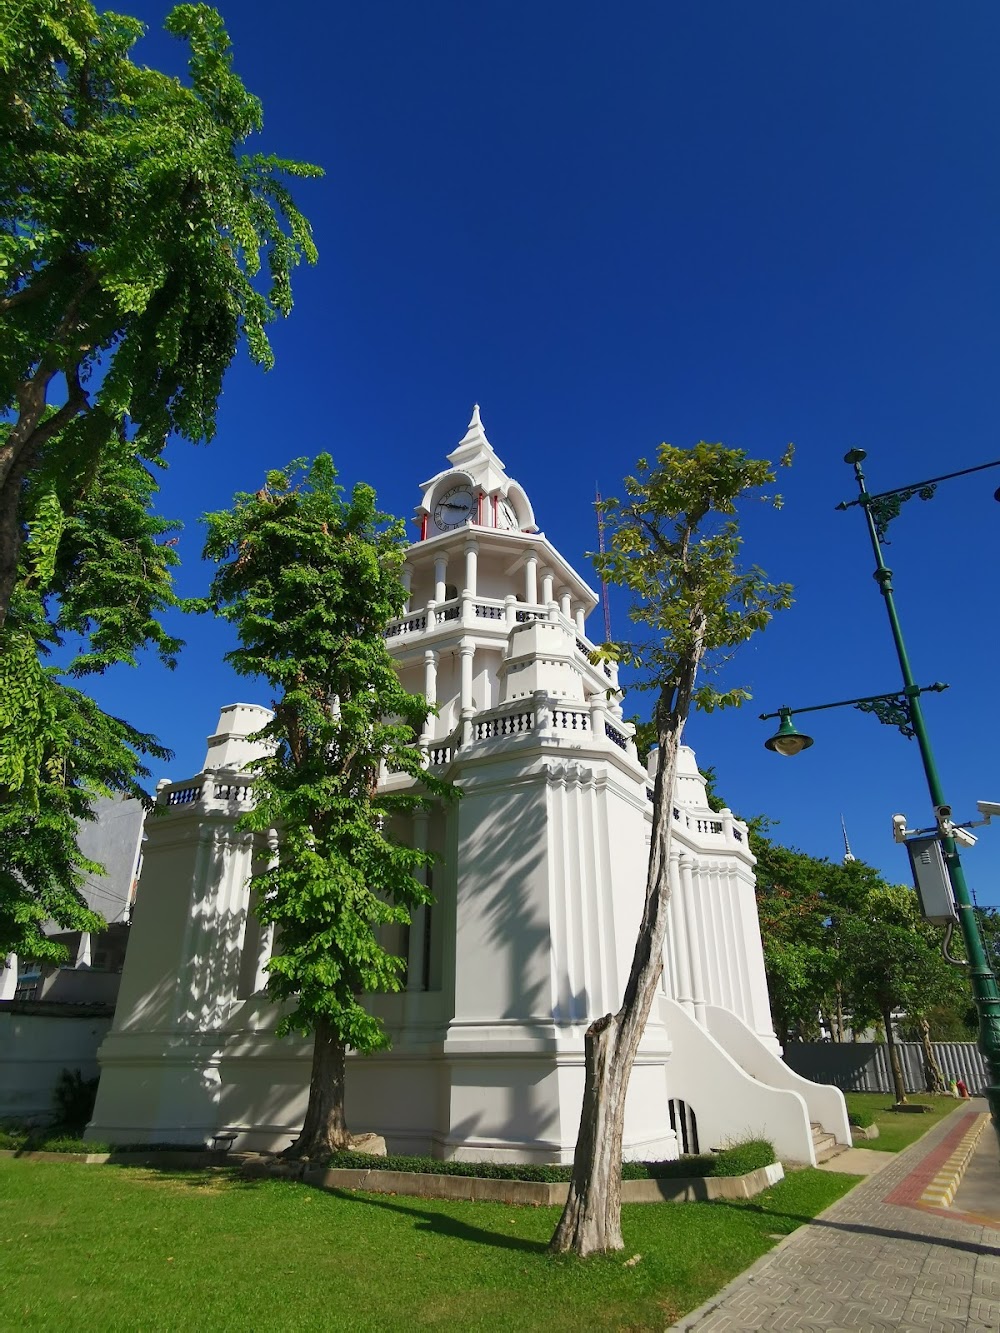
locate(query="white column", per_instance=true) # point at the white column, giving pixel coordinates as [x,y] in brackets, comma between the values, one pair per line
[83,953]
[467,649]
[546,586]
[531,578]
[682,957]
[471,566]
[510,609]
[430,675]
[566,603]
[407,581]
[415,979]
[693,943]
[440,577]
[578,615]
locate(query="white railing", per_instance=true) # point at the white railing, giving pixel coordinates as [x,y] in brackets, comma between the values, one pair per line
[571,719]
[206,789]
[183,793]
[506,611]
[408,625]
[503,724]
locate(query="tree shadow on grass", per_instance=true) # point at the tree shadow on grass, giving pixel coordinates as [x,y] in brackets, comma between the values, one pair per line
[443,1224]
[207,1177]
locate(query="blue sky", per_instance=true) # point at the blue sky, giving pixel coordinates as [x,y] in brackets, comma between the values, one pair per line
[613,226]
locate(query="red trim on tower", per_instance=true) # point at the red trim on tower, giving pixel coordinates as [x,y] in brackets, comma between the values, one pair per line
[494,498]
[423,527]
[479,510]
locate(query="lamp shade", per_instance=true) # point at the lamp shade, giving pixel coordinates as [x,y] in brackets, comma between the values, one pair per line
[787,740]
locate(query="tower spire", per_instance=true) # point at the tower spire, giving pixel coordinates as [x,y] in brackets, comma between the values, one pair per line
[848,854]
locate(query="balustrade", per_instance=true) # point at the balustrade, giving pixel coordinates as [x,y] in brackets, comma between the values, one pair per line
[503,724]
[617,737]
[206,787]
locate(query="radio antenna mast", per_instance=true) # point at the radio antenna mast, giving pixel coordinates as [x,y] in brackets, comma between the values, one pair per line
[606,605]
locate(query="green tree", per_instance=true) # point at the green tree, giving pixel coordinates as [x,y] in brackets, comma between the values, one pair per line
[107,575]
[131,231]
[675,544]
[891,961]
[801,903]
[309,581]
[69,753]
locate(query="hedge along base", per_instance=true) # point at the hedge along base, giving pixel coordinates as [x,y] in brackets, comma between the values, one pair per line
[476,1189]
[689,1189]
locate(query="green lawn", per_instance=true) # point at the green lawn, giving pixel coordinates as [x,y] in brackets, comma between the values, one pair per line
[898,1130]
[121,1249]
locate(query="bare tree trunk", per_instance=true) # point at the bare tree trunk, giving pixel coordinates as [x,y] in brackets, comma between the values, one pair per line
[591,1220]
[933,1077]
[894,1061]
[839,1035]
[324,1130]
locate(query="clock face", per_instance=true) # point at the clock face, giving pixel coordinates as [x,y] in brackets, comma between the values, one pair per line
[506,518]
[454,508]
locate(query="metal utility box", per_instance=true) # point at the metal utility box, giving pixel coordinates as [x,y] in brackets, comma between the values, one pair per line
[930,877]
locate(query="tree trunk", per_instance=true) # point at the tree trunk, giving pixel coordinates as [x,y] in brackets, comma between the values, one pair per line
[840,1014]
[894,1061]
[324,1130]
[782,1025]
[933,1077]
[826,1019]
[591,1220]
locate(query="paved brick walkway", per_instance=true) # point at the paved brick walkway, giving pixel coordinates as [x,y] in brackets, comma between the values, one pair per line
[868,1265]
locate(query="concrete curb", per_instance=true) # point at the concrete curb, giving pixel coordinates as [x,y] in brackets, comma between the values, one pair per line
[529,1192]
[942,1189]
[682,1189]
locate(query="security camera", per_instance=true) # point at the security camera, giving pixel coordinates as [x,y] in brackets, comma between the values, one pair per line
[899,829]
[988,808]
[963,837]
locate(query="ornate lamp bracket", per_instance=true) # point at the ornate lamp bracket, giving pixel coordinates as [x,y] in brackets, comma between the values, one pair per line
[892,709]
[884,508]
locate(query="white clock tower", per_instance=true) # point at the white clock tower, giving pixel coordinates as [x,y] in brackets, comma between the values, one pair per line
[538,889]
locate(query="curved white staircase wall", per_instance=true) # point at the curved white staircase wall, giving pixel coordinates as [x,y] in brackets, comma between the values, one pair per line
[826,1104]
[730,1104]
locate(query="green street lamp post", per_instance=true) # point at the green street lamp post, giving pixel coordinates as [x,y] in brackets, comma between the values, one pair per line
[903,709]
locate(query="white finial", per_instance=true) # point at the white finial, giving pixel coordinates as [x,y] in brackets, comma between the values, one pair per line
[475,435]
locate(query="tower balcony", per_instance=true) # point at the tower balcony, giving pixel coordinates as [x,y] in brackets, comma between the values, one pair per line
[490,617]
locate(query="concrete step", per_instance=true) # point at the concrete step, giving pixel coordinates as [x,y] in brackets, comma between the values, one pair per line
[824,1144]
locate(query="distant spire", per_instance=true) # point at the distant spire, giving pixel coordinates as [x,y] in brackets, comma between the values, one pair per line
[600,546]
[848,854]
